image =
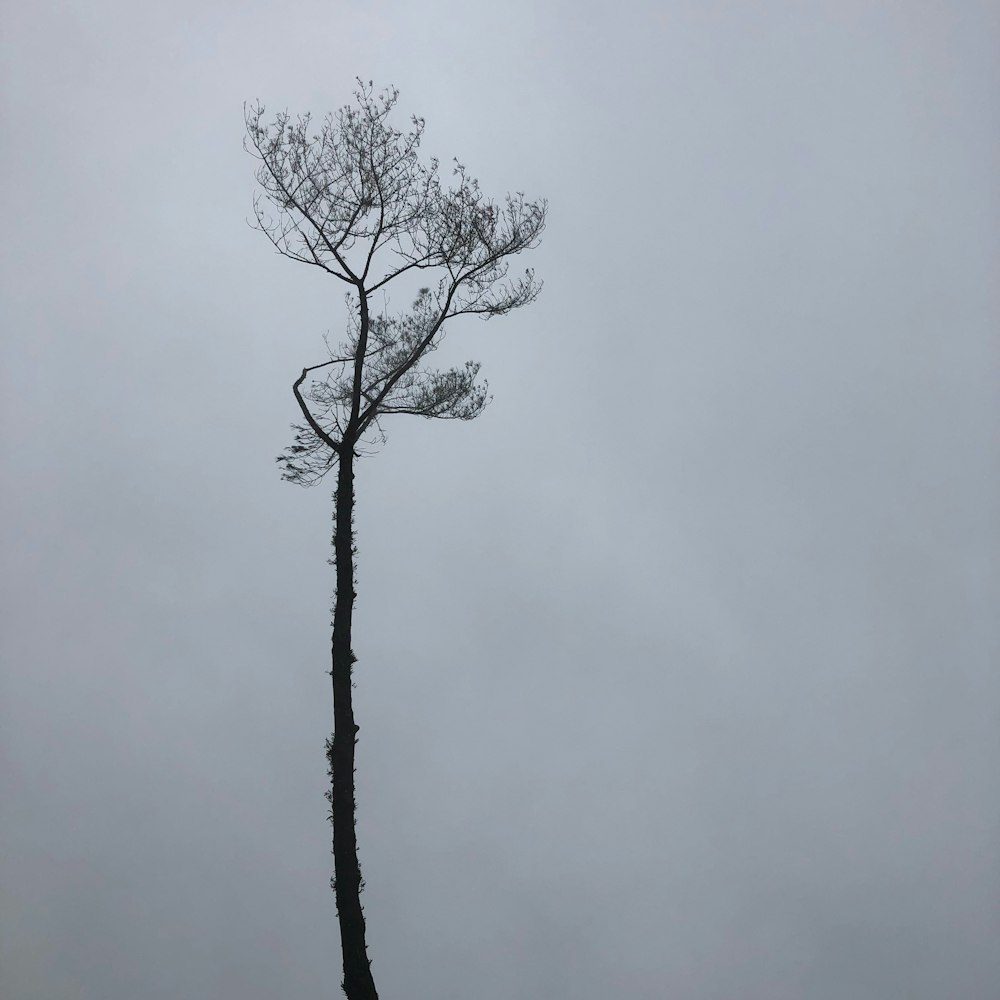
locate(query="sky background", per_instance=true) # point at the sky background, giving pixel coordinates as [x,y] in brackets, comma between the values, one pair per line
[677,669]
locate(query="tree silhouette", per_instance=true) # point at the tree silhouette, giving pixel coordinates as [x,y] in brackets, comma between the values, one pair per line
[353,199]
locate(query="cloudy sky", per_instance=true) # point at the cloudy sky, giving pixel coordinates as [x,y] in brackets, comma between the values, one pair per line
[678,669]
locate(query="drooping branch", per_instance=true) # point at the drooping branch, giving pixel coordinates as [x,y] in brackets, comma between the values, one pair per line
[310,419]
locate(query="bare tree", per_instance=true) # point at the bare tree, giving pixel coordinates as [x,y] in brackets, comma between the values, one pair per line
[353,199]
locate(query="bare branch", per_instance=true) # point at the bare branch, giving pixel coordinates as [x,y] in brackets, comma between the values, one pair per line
[310,419]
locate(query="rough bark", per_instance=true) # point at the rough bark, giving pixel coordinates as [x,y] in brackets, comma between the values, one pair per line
[358,982]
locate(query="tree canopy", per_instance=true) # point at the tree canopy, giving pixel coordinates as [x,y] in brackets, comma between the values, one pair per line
[354,199]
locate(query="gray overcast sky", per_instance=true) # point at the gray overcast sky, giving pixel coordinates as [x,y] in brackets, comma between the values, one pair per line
[678,669]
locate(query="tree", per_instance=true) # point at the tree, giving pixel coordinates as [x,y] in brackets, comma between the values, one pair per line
[354,200]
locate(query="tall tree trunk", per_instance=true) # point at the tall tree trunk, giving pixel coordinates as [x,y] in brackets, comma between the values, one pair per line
[358,983]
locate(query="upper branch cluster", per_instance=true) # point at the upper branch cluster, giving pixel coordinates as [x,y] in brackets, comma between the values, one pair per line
[354,199]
